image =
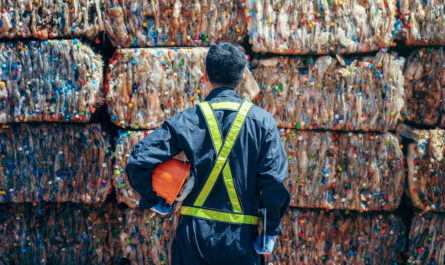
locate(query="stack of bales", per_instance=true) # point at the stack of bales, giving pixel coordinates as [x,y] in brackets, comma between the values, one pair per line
[337,111]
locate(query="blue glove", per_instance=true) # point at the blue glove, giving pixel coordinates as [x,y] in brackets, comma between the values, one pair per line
[258,245]
[162,207]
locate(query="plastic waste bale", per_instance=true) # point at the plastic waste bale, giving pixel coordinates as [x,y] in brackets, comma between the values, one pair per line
[334,237]
[146,86]
[54,163]
[59,234]
[425,160]
[353,171]
[330,93]
[320,26]
[426,239]
[51,80]
[144,23]
[421,22]
[146,237]
[425,86]
[124,146]
[45,19]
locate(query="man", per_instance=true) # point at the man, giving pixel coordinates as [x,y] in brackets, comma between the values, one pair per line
[239,165]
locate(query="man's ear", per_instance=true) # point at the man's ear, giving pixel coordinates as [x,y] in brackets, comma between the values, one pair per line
[206,76]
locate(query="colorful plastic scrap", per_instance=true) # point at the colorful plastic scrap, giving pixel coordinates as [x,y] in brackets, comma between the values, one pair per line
[54,163]
[332,93]
[426,166]
[54,80]
[421,22]
[426,239]
[353,171]
[45,19]
[124,146]
[146,237]
[59,234]
[320,26]
[319,237]
[144,23]
[425,86]
[146,86]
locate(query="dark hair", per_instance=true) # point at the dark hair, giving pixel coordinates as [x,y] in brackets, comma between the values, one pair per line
[225,63]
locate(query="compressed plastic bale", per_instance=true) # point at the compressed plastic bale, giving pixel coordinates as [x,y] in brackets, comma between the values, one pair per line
[146,237]
[319,237]
[426,165]
[146,86]
[55,163]
[55,80]
[331,93]
[124,146]
[421,22]
[144,23]
[353,171]
[59,234]
[51,18]
[426,239]
[425,86]
[320,27]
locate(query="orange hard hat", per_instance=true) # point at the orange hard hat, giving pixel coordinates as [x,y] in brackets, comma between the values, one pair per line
[168,178]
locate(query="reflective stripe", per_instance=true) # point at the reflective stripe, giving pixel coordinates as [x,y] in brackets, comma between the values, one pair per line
[220,216]
[212,124]
[224,153]
[230,186]
[226,105]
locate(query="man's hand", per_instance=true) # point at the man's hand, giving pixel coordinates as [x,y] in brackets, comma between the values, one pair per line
[270,243]
[162,207]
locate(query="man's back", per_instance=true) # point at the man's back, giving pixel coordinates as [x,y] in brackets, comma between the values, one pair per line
[239,165]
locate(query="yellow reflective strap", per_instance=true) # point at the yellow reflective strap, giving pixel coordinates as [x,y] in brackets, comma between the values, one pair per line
[212,124]
[230,186]
[224,153]
[225,105]
[220,216]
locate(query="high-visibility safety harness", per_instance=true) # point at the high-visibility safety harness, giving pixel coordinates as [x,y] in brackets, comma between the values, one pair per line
[222,165]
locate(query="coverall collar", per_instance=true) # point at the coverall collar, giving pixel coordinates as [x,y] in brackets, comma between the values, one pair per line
[221,92]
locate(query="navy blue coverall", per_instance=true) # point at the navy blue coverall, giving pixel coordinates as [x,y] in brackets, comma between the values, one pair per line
[259,167]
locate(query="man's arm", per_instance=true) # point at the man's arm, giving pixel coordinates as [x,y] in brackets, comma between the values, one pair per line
[272,171]
[157,147]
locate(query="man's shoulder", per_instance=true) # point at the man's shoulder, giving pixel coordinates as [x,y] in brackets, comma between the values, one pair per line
[261,116]
[188,116]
